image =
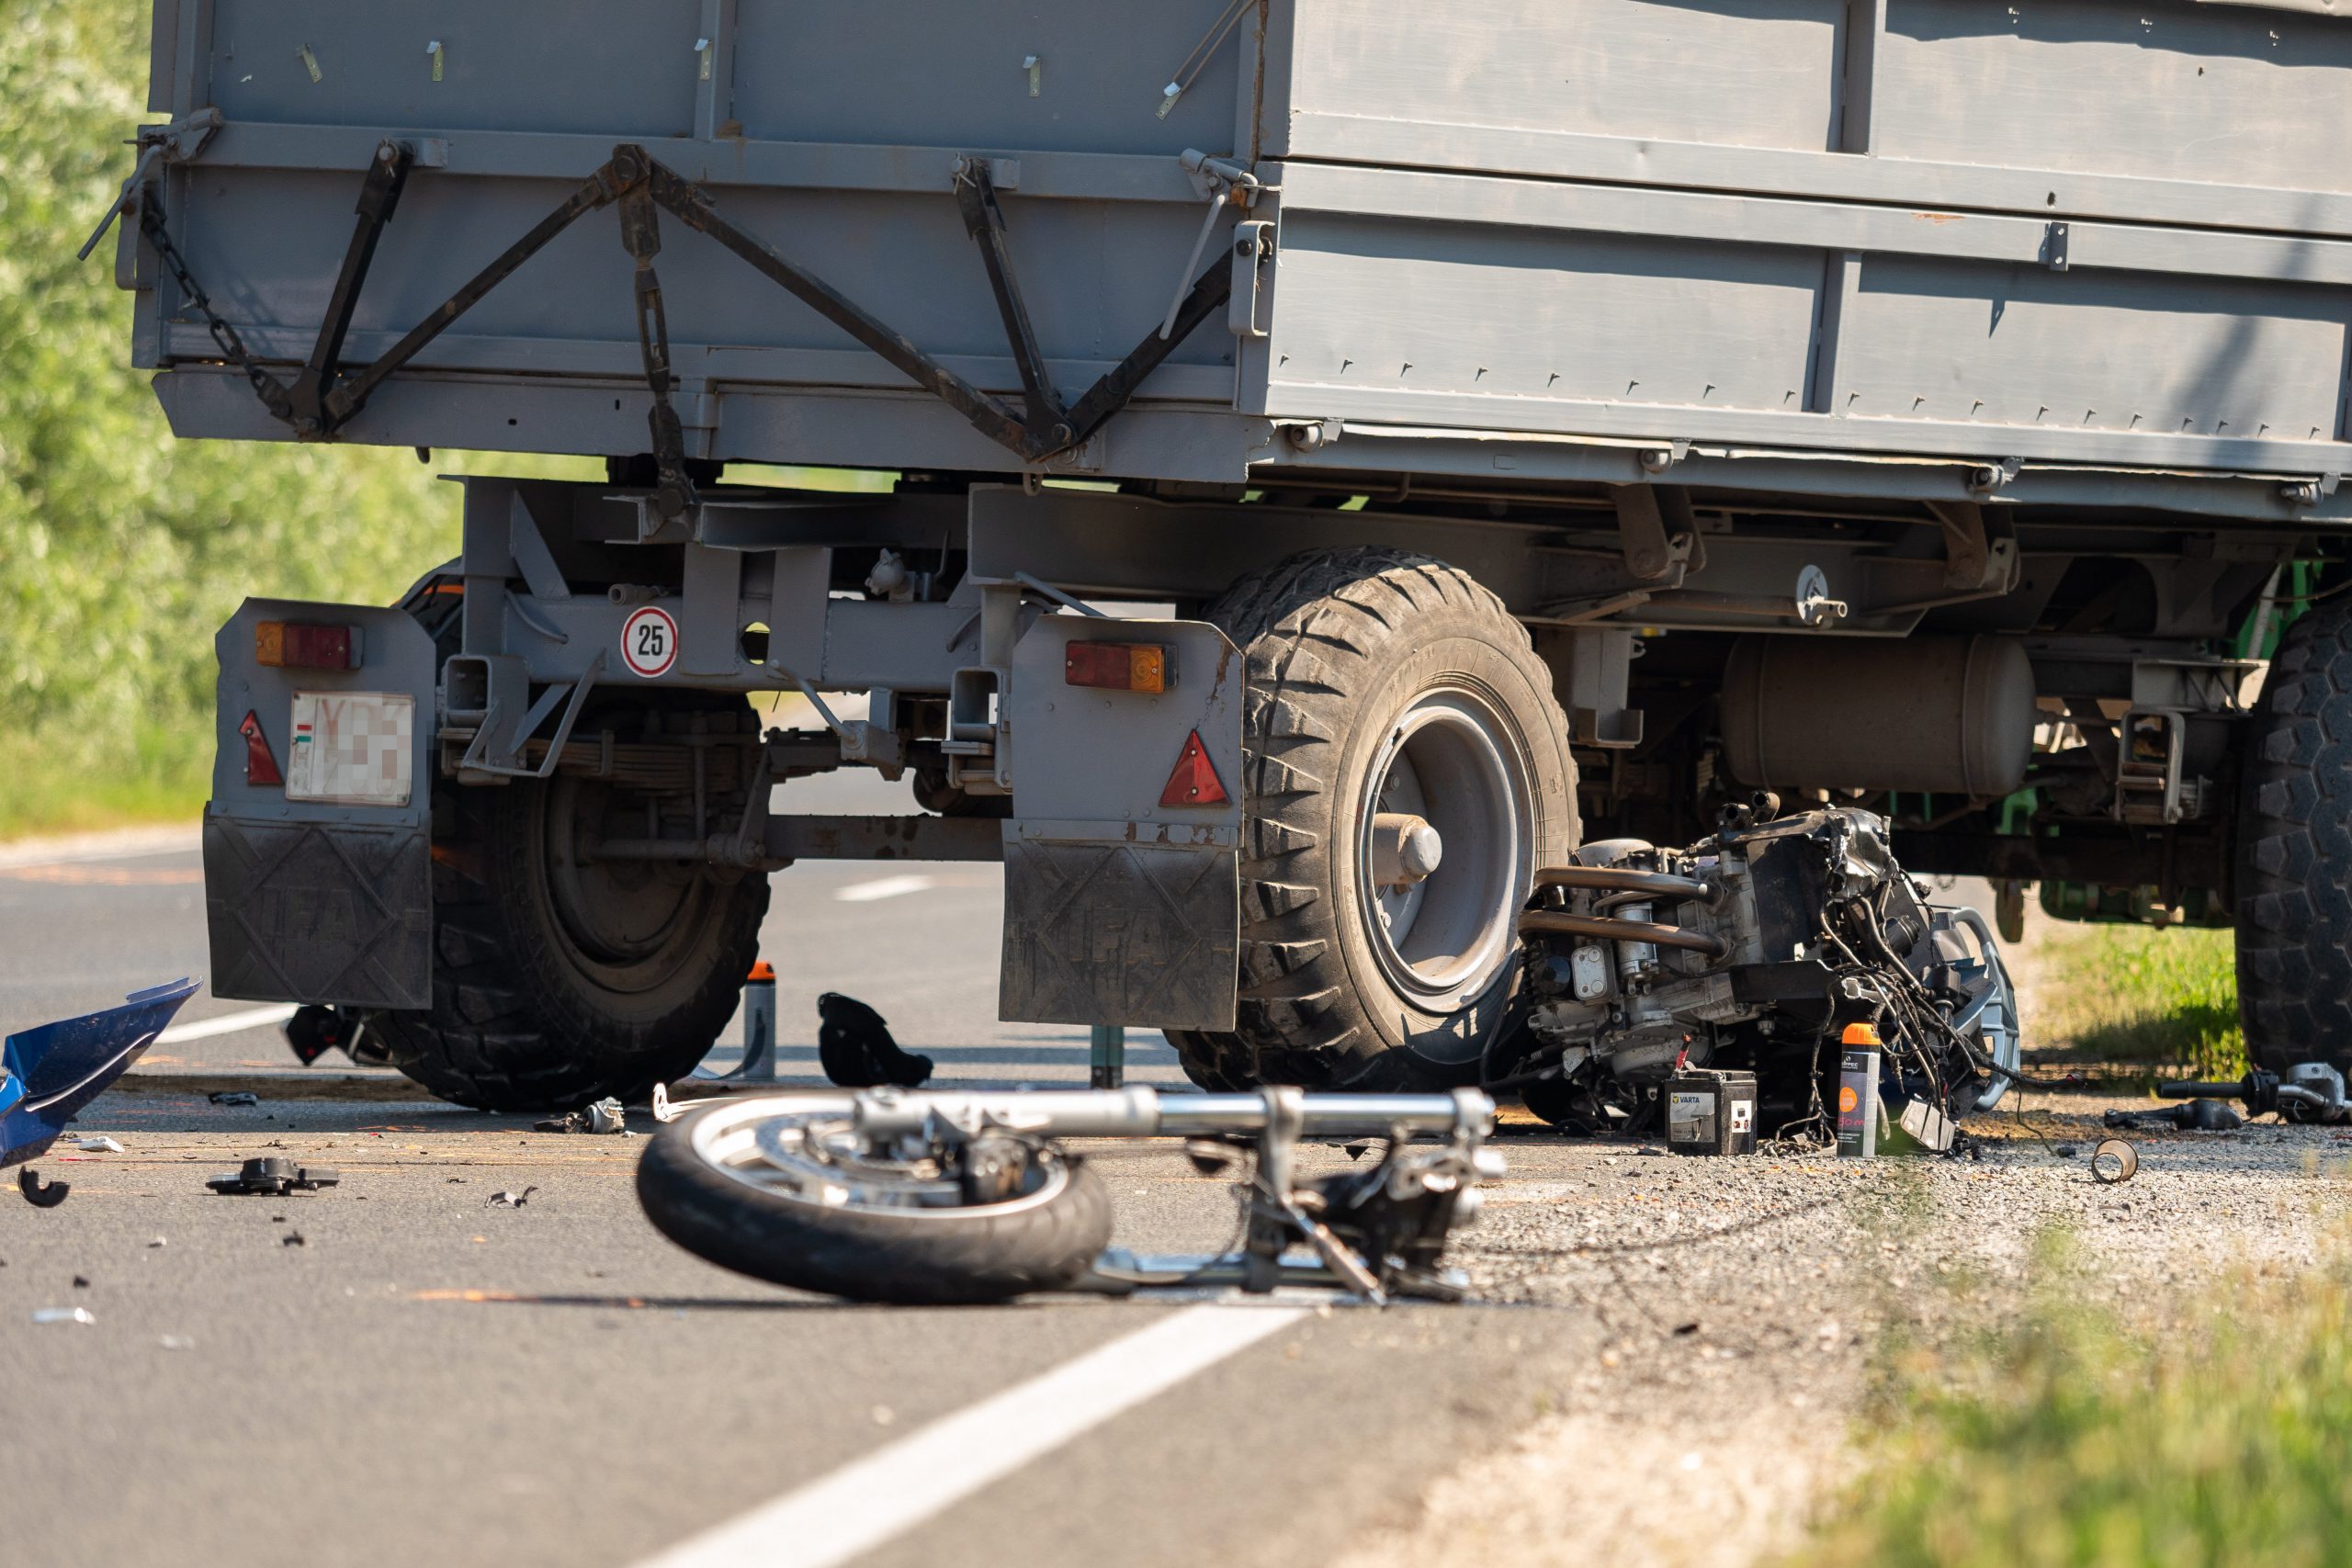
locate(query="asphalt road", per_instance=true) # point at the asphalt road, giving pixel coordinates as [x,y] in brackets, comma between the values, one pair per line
[427,1378]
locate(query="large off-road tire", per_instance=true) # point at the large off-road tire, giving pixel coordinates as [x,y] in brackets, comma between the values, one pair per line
[2294,891]
[557,979]
[1381,680]
[1044,1241]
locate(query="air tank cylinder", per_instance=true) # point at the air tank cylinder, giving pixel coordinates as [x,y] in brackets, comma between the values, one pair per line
[1952,715]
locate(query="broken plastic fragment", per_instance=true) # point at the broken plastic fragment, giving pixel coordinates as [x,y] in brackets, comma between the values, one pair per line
[63,1315]
[38,1193]
[98,1145]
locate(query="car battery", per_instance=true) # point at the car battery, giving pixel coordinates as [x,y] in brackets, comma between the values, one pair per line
[1710,1112]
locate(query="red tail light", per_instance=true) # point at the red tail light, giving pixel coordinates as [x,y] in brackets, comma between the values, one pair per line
[1116,666]
[301,645]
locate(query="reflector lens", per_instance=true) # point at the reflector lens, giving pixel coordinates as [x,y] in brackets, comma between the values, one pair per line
[1195,781]
[1116,666]
[261,768]
[299,645]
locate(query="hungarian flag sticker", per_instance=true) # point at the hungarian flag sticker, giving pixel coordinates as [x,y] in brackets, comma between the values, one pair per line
[1195,781]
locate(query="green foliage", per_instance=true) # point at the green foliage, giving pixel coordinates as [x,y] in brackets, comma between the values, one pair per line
[125,550]
[2223,1437]
[2137,994]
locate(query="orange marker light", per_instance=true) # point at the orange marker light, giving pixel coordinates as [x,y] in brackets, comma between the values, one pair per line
[1116,666]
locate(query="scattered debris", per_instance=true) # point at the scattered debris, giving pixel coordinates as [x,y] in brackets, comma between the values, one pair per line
[2197,1116]
[605,1115]
[177,1342]
[854,1047]
[272,1177]
[312,1031]
[2065,1151]
[2114,1162]
[38,1193]
[236,1096]
[63,1315]
[98,1145]
[2308,1092]
[159,1241]
[81,1281]
[292,1238]
[1710,1112]
[512,1199]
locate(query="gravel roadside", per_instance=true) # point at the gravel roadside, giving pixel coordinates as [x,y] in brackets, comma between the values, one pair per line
[1742,1299]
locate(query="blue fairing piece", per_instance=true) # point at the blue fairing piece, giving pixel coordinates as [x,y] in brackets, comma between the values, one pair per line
[49,1073]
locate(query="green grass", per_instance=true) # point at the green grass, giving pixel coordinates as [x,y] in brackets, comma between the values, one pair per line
[2147,997]
[2222,1435]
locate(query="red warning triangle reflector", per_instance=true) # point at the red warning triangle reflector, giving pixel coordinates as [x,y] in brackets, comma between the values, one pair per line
[261,768]
[1195,781]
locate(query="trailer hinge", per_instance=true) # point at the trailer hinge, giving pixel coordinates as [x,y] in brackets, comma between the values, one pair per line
[2054,247]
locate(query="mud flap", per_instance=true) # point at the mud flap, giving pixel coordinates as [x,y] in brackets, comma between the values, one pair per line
[1122,896]
[319,911]
[322,900]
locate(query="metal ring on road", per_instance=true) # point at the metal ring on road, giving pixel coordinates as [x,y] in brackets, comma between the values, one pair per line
[2114,1161]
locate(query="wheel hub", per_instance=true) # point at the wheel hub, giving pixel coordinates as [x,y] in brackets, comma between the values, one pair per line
[1447,847]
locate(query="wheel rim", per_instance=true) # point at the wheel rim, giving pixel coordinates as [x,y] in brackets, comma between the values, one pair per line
[1450,759]
[799,1149]
[631,925]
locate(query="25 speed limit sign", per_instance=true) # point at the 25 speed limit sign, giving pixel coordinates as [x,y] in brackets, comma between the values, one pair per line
[650,642]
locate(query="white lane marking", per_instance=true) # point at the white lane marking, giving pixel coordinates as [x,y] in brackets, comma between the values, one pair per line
[884,887]
[867,1501]
[227,1023]
[123,844]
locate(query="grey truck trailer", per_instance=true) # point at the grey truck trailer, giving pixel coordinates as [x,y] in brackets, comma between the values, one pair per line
[1518,422]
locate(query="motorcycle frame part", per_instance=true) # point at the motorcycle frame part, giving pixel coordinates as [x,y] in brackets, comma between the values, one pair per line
[1605,928]
[326,401]
[2309,1092]
[1279,1223]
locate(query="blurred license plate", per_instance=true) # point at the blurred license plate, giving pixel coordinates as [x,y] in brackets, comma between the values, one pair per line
[353,748]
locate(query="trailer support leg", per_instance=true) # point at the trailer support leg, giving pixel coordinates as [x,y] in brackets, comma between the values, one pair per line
[1106,1056]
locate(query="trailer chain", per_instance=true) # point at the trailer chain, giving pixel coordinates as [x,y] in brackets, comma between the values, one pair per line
[272,392]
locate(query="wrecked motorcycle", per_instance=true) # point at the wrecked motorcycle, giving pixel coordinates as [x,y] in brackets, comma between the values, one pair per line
[889,1195]
[1750,952]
